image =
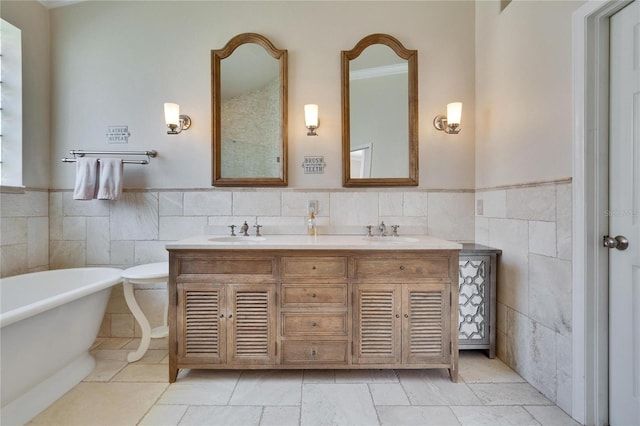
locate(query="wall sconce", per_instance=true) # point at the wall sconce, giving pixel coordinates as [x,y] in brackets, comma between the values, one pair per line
[175,122]
[449,123]
[311,119]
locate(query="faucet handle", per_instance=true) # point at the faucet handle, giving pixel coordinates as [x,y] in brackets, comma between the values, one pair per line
[395,230]
[233,233]
[257,229]
[369,234]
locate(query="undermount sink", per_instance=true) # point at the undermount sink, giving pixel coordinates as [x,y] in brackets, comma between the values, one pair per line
[379,239]
[236,239]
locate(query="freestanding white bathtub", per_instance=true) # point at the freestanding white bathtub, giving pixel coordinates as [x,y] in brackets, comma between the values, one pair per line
[48,322]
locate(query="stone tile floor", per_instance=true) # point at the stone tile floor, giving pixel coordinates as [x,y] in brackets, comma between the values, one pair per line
[120,393]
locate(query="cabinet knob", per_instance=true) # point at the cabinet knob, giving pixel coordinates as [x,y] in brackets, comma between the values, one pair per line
[313,267]
[314,324]
[313,352]
[405,315]
[401,267]
[397,315]
[230,316]
[313,295]
[221,315]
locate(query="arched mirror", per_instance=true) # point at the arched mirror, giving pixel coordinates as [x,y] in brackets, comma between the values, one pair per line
[379,113]
[249,113]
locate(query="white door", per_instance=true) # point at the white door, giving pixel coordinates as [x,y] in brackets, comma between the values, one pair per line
[624,221]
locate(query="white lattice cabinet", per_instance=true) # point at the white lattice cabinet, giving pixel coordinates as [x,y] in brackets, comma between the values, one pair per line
[477,297]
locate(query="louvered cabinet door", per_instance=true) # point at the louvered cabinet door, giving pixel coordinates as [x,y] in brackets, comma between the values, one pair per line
[201,323]
[252,323]
[376,323]
[426,333]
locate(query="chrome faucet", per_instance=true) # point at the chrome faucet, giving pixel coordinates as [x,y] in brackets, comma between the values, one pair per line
[395,230]
[369,227]
[257,230]
[382,229]
[233,232]
[244,228]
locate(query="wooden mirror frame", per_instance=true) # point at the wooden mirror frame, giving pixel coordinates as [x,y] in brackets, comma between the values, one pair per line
[411,56]
[216,100]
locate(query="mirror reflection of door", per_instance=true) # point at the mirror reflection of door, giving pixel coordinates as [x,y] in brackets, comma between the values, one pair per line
[361,161]
[379,111]
[379,79]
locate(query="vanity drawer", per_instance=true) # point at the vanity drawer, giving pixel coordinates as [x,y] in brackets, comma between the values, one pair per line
[401,267]
[308,352]
[314,324]
[307,295]
[315,267]
[228,265]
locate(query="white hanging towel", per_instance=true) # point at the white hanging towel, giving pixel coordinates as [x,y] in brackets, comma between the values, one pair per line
[86,178]
[110,186]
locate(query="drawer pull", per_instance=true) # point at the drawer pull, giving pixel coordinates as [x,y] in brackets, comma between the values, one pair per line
[313,267]
[401,267]
[397,315]
[314,324]
[313,352]
[406,315]
[313,295]
[221,315]
[230,316]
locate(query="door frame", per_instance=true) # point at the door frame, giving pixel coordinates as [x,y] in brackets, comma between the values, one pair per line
[590,58]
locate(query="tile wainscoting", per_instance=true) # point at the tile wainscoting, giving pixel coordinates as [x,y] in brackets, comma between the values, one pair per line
[532,226]
[24,231]
[530,223]
[135,229]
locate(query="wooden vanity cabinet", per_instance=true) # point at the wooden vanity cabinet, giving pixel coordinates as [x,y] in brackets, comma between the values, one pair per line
[314,314]
[223,313]
[312,309]
[401,323]
[226,323]
[402,310]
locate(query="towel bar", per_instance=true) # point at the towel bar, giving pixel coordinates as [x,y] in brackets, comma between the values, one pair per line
[81,153]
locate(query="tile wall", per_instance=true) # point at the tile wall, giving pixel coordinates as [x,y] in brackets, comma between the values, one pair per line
[530,223]
[532,226]
[135,229]
[24,232]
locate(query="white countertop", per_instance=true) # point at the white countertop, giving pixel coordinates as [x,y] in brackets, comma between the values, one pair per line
[320,242]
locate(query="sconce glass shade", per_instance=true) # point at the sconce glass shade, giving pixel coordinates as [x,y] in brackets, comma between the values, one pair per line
[172,114]
[454,113]
[175,122]
[311,118]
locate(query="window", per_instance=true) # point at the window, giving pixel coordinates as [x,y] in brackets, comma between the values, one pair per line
[10,105]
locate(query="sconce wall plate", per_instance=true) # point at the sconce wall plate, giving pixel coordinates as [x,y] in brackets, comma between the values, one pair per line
[440,123]
[449,123]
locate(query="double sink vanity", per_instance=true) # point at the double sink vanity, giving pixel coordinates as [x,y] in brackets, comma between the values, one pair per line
[297,301]
[329,301]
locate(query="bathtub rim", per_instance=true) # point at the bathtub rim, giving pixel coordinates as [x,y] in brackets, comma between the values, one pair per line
[113,276]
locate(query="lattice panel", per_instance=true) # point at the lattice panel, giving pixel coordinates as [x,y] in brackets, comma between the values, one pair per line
[472,282]
[202,324]
[252,324]
[426,310]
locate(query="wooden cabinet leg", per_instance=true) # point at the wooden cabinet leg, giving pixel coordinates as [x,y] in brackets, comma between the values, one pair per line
[453,372]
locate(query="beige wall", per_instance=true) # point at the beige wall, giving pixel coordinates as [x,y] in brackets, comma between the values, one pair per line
[523,175]
[33,19]
[523,92]
[115,63]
